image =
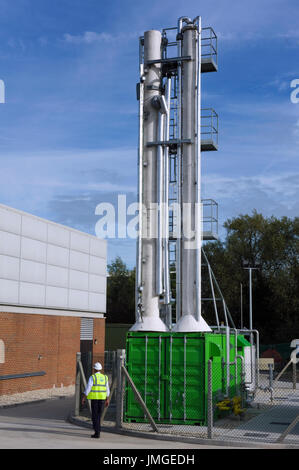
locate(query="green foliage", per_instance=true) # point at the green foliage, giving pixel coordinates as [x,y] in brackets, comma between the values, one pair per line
[275,244]
[120,293]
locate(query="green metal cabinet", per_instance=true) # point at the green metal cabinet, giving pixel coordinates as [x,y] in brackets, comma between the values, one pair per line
[170,372]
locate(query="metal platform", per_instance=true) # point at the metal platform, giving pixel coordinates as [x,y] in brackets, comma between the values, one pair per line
[208,145]
[210,236]
[208,64]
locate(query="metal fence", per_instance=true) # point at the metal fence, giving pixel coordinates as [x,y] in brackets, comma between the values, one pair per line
[261,407]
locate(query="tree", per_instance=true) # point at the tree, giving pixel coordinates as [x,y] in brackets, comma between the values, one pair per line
[275,244]
[120,293]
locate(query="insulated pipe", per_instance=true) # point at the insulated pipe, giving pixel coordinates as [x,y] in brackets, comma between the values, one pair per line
[249,332]
[150,319]
[181,20]
[198,207]
[166,197]
[179,163]
[188,173]
[138,288]
[160,187]
[162,198]
[189,315]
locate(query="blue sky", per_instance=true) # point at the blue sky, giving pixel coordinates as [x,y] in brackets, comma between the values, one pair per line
[69,128]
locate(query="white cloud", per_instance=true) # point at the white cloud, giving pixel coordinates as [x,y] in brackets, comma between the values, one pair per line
[88,37]
[92,37]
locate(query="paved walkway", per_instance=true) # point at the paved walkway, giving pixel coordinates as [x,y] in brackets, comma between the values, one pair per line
[44,425]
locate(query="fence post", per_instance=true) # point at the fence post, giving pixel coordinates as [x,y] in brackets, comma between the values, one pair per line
[210,400]
[288,430]
[77,385]
[140,400]
[294,375]
[119,387]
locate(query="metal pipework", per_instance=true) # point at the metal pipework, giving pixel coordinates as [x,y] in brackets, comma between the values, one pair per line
[198,205]
[166,197]
[148,181]
[189,246]
[227,362]
[227,332]
[160,104]
[138,289]
[181,20]
[249,332]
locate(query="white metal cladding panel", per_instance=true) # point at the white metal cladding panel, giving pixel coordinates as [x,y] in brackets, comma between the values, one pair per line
[58,236]
[78,280]
[97,301]
[32,294]
[78,299]
[34,228]
[9,291]
[31,271]
[58,256]
[98,247]
[97,283]
[43,264]
[56,297]
[57,276]
[10,221]
[9,267]
[79,242]
[33,250]
[79,261]
[9,244]
[97,266]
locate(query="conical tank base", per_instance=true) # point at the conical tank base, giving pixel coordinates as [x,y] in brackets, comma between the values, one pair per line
[149,324]
[187,324]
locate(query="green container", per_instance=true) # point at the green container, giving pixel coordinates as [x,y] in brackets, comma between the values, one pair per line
[170,372]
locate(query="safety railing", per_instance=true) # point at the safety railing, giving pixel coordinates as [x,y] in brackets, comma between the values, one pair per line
[210,219]
[209,50]
[209,129]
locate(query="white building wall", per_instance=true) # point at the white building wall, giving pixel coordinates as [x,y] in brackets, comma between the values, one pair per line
[47,265]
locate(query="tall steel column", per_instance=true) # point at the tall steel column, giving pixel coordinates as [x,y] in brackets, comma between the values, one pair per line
[149,315]
[190,167]
[161,75]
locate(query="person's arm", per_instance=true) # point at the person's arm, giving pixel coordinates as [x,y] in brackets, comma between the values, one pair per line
[107,391]
[87,389]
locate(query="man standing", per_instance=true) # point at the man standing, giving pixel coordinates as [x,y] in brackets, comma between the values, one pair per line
[97,390]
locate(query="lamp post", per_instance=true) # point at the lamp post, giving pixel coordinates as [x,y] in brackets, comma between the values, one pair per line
[250,267]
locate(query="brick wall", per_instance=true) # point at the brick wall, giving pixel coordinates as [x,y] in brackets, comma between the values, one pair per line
[99,341]
[42,343]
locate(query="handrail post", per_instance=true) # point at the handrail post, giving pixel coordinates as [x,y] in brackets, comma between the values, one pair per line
[119,389]
[77,385]
[288,430]
[210,400]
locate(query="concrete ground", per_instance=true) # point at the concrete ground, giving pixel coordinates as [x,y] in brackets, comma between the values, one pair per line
[44,425]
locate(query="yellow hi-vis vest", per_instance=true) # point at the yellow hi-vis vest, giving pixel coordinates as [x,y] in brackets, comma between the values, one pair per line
[99,389]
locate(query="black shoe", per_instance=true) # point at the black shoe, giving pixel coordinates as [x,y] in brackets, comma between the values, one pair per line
[95,435]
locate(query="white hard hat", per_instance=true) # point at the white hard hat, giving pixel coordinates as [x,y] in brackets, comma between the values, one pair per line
[97,366]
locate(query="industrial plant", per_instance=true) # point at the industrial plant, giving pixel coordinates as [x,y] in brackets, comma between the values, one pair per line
[172,353]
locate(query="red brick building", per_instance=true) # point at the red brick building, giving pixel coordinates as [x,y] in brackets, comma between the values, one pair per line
[52,301]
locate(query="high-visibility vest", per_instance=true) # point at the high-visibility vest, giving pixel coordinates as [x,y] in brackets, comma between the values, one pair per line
[99,388]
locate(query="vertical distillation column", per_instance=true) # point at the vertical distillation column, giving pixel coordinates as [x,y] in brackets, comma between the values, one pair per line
[149,319]
[189,186]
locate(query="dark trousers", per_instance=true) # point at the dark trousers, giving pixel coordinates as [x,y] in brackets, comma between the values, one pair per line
[96,412]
